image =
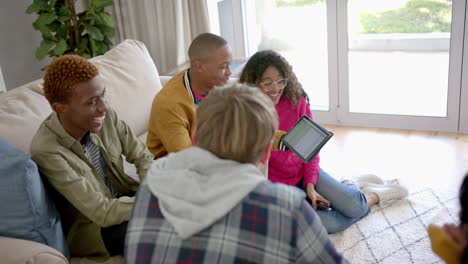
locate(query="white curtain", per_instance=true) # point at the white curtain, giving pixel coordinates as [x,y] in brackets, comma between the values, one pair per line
[165,26]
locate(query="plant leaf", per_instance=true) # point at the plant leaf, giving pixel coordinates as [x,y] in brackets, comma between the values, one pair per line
[98,45]
[88,17]
[45,18]
[106,30]
[33,8]
[108,43]
[62,31]
[38,26]
[43,49]
[94,32]
[46,32]
[103,3]
[60,48]
[93,47]
[106,18]
[83,45]
[38,5]
[54,26]
[103,48]
[64,14]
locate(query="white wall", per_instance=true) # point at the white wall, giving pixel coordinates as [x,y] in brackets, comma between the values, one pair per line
[18,42]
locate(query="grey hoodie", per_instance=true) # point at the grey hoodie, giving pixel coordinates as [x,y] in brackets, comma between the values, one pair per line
[195,188]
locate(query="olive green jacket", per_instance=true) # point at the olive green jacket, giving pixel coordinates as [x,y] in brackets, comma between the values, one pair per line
[84,201]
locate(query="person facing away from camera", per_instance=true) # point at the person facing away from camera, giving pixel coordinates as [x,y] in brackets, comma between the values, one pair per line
[172,117]
[450,242]
[79,149]
[350,200]
[211,204]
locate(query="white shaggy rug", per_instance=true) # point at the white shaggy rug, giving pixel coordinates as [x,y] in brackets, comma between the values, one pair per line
[398,233]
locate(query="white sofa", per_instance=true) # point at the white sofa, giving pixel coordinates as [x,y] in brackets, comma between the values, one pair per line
[131,80]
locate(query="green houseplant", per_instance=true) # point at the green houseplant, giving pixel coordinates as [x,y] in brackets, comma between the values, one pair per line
[64,31]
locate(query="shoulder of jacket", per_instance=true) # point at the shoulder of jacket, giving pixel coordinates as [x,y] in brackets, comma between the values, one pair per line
[281,195]
[43,139]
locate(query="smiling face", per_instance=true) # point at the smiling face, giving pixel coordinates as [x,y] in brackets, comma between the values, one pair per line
[216,68]
[84,110]
[272,83]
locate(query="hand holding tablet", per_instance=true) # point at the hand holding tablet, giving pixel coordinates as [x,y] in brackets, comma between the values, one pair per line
[306,138]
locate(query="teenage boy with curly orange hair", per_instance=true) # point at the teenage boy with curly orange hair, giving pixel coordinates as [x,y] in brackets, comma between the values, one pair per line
[79,148]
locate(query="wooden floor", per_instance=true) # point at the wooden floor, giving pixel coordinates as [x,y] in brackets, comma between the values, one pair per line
[419,159]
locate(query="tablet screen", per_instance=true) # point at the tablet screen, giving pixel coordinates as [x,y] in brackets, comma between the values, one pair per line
[306,138]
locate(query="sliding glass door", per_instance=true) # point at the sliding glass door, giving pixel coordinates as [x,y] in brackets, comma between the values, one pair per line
[400,63]
[385,63]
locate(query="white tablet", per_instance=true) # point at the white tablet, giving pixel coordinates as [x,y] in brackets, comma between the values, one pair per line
[306,138]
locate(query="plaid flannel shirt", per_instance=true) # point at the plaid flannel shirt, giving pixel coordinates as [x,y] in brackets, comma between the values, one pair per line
[272,224]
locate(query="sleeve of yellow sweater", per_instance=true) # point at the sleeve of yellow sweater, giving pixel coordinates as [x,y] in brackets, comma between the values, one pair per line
[277,139]
[172,127]
[444,246]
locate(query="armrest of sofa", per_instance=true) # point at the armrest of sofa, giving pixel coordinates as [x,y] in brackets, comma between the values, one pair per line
[17,251]
[164,79]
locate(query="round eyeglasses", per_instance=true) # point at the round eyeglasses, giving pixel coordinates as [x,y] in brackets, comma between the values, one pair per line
[268,85]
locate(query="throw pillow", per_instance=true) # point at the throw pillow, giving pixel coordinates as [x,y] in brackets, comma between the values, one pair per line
[131,81]
[27,211]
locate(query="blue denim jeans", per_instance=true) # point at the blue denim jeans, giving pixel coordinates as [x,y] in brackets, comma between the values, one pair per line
[348,202]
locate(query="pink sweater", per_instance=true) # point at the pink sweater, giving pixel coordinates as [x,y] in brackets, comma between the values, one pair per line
[285,167]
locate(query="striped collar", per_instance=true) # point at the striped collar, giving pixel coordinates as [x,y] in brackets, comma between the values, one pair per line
[195,100]
[188,87]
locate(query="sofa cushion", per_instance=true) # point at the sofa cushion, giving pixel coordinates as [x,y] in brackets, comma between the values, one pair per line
[27,211]
[131,81]
[22,111]
[19,251]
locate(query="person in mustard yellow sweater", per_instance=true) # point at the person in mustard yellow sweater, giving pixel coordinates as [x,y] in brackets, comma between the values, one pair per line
[172,116]
[449,242]
[173,111]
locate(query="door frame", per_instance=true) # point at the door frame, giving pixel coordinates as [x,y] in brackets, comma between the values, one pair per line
[463,122]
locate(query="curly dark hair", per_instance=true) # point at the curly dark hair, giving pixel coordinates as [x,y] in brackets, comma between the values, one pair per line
[260,61]
[63,73]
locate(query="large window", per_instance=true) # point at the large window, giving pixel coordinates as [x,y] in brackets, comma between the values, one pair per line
[387,63]
[297,30]
[398,56]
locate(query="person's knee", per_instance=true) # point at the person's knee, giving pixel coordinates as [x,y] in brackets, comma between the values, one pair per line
[354,203]
[358,210]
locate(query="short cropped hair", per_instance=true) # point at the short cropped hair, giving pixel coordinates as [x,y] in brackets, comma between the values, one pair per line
[63,73]
[204,44]
[236,122]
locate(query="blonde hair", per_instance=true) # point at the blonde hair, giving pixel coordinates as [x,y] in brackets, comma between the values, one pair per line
[236,122]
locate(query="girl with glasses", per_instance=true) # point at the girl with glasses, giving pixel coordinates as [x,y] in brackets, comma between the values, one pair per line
[271,73]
